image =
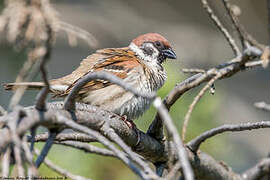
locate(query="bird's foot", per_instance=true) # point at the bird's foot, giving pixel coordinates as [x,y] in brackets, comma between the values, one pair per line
[132,125]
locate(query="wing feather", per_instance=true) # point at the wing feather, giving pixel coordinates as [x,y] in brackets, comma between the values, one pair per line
[116,61]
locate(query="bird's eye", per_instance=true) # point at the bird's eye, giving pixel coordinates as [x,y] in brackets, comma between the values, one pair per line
[158,44]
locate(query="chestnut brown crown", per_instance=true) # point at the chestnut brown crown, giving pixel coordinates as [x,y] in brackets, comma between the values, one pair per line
[151,37]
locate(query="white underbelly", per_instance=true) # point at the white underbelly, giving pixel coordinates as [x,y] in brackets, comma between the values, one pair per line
[116,99]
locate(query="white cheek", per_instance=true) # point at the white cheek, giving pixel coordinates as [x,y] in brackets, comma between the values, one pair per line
[148,58]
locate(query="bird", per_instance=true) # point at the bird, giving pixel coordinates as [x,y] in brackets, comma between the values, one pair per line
[140,65]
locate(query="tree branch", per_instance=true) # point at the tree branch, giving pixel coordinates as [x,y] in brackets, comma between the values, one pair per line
[262,106]
[257,172]
[196,142]
[79,137]
[205,167]
[87,148]
[172,132]
[61,171]
[45,149]
[221,27]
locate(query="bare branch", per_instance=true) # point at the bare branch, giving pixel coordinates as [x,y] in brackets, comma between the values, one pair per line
[133,156]
[220,26]
[6,163]
[234,21]
[268,18]
[193,70]
[45,149]
[265,57]
[196,142]
[32,170]
[160,167]
[87,148]
[65,137]
[173,171]
[253,64]
[227,69]
[105,142]
[61,171]
[205,167]
[172,131]
[257,172]
[70,99]
[18,159]
[2,111]
[78,32]
[195,101]
[262,106]
[41,98]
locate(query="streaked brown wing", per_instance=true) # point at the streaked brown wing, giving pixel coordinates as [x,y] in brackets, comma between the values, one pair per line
[116,61]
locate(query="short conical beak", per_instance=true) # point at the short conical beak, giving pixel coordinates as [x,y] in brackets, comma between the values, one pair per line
[169,53]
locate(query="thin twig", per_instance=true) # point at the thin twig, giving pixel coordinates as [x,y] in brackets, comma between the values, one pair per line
[265,57]
[195,101]
[45,149]
[89,116]
[234,21]
[172,131]
[41,97]
[31,71]
[196,142]
[258,171]
[160,167]
[253,64]
[2,111]
[262,106]
[18,159]
[32,170]
[32,138]
[268,18]
[87,148]
[173,171]
[133,156]
[70,99]
[60,170]
[231,67]
[80,33]
[221,27]
[6,163]
[193,70]
[104,141]
[64,137]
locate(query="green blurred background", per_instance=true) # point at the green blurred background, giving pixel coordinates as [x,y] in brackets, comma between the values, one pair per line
[197,43]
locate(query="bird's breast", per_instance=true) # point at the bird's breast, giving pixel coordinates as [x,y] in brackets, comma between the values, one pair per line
[116,99]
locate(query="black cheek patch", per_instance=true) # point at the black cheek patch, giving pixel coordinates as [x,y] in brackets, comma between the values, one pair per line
[148,51]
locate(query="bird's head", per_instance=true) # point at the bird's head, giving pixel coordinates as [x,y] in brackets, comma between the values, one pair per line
[152,48]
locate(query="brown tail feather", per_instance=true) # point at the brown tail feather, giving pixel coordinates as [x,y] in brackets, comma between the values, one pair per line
[30,85]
